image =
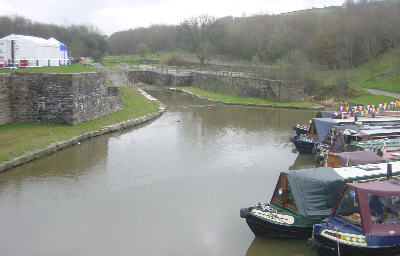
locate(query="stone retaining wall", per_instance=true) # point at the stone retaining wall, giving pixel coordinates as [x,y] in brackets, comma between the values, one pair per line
[56,146]
[60,98]
[156,78]
[5,110]
[237,86]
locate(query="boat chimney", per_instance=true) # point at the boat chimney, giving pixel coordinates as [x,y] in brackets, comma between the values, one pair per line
[389,171]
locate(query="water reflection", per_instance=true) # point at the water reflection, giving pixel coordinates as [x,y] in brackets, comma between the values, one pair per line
[303,161]
[171,187]
[288,247]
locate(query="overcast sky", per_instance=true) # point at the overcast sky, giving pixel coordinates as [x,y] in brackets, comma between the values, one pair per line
[116,15]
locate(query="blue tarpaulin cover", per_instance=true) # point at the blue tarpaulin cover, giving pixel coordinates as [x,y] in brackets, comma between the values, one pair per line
[323,126]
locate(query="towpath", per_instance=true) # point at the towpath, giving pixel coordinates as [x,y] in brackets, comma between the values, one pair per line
[385,93]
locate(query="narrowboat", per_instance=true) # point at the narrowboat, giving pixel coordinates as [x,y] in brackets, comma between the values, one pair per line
[305,197]
[351,138]
[317,132]
[320,130]
[303,129]
[365,221]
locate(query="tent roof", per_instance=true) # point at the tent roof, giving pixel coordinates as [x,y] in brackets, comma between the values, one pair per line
[32,39]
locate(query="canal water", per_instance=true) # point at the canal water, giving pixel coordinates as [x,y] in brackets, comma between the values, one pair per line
[170,187]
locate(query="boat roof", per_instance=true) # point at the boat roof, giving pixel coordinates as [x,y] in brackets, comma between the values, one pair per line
[325,113]
[378,187]
[369,144]
[365,119]
[316,190]
[366,192]
[357,157]
[324,125]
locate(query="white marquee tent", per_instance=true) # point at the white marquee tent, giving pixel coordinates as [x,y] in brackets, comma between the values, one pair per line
[30,51]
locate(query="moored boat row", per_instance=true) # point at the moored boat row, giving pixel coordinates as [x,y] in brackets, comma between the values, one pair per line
[350,205]
[302,199]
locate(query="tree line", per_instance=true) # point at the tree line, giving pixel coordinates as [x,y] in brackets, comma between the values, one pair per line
[335,37]
[332,37]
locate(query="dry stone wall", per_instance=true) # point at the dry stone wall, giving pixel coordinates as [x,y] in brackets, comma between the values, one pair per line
[161,79]
[238,86]
[92,97]
[5,110]
[58,98]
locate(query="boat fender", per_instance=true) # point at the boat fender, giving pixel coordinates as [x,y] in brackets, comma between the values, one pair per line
[244,213]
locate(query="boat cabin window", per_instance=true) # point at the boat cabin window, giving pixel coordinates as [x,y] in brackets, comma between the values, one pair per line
[384,209]
[278,195]
[283,194]
[348,208]
[289,196]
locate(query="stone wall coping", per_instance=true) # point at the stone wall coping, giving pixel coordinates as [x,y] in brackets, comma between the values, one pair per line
[58,145]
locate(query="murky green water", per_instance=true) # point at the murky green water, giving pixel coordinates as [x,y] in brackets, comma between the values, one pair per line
[171,187]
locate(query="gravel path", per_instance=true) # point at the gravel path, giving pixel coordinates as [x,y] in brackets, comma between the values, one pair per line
[385,93]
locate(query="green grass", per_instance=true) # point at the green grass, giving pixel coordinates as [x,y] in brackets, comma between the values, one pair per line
[74,68]
[112,61]
[165,55]
[242,100]
[381,73]
[370,99]
[17,139]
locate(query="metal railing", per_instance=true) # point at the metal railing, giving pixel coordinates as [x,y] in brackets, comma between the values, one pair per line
[23,63]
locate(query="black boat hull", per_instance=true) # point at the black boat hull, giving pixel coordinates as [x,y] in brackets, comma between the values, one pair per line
[327,247]
[303,146]
[263,228]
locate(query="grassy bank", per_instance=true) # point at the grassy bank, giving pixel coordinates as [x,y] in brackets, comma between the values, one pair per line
[371,99]
[381,73]
[112,61]
[17,139]
[74,68]
[242,100]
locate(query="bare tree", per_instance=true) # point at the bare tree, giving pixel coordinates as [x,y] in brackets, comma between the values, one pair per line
[197,33]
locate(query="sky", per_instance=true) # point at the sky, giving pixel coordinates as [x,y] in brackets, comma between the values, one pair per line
[115,15]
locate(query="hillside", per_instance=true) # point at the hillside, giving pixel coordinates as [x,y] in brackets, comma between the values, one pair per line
[382,73]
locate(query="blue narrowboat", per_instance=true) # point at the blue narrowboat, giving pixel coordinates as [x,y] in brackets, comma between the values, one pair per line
[365,221]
